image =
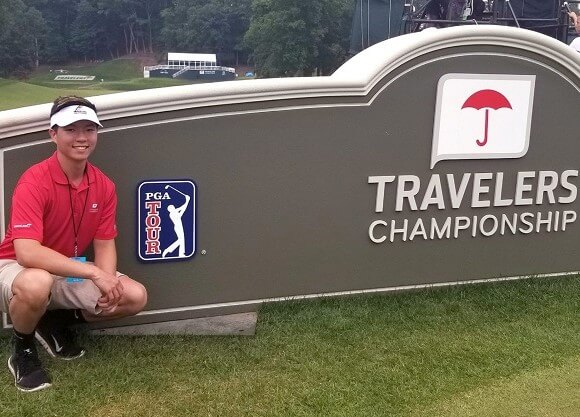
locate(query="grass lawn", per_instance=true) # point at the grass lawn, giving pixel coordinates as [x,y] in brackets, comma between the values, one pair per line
[18,94]
[117,75]
[504,349]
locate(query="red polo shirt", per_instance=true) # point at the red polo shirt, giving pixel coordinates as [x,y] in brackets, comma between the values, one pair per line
[42,209]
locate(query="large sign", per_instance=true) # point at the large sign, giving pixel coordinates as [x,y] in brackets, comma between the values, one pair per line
[430,159]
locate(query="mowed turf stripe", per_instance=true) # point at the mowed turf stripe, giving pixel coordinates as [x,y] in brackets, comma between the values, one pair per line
[552,392]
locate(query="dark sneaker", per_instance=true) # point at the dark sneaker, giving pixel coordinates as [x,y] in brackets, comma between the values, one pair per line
[29,375]
[58,340]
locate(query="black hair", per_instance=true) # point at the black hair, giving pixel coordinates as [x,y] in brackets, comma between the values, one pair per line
[66,101]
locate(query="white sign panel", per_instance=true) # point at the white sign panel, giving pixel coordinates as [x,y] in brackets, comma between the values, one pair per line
[482,116]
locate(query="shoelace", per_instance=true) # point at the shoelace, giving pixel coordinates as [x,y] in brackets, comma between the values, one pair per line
[28,361]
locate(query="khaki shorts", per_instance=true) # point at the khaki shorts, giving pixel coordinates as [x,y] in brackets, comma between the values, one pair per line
[66,295]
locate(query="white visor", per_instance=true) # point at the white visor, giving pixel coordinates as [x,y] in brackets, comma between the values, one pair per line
[74,113]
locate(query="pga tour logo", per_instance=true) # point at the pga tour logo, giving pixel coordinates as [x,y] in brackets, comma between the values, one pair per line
[482,116]
[166,228]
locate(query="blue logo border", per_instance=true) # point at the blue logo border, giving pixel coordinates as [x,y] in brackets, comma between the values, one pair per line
[138,222]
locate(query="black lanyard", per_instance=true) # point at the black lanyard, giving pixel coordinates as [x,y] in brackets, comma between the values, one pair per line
[72,211]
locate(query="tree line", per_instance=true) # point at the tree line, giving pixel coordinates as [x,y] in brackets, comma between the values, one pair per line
[277,37]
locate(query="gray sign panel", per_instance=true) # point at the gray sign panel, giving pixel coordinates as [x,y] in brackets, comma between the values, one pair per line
[422,161]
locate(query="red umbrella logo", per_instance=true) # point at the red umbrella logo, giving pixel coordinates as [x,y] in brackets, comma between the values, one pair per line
[486,99]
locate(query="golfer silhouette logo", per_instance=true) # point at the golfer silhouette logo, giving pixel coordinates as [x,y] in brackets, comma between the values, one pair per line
[167,211]
[175,214]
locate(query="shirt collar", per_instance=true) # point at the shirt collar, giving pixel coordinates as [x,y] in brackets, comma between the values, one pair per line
[58,175]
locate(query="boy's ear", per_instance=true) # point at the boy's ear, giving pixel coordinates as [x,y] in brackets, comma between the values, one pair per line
[52,133]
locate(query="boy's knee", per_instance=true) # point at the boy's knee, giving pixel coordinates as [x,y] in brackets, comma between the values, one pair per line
[136,297]
[33,287]
[141,296]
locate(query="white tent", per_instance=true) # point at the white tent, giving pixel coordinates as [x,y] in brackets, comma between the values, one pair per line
[181,59]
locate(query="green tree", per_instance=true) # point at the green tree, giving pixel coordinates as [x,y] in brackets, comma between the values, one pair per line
[85,31]
[112,16]
[131,25]
[56,31]
[295,37]
[22,31]
[211,26]
[59,16]
[333,48]
[152,12]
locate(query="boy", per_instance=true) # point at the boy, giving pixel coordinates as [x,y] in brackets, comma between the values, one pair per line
[59,207]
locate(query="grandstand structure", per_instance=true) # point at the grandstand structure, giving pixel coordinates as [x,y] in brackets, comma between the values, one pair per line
[191,67]
[377,20]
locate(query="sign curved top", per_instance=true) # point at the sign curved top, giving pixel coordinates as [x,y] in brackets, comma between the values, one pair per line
[355,78]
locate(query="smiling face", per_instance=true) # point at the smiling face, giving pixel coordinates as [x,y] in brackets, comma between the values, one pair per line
[75,142]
